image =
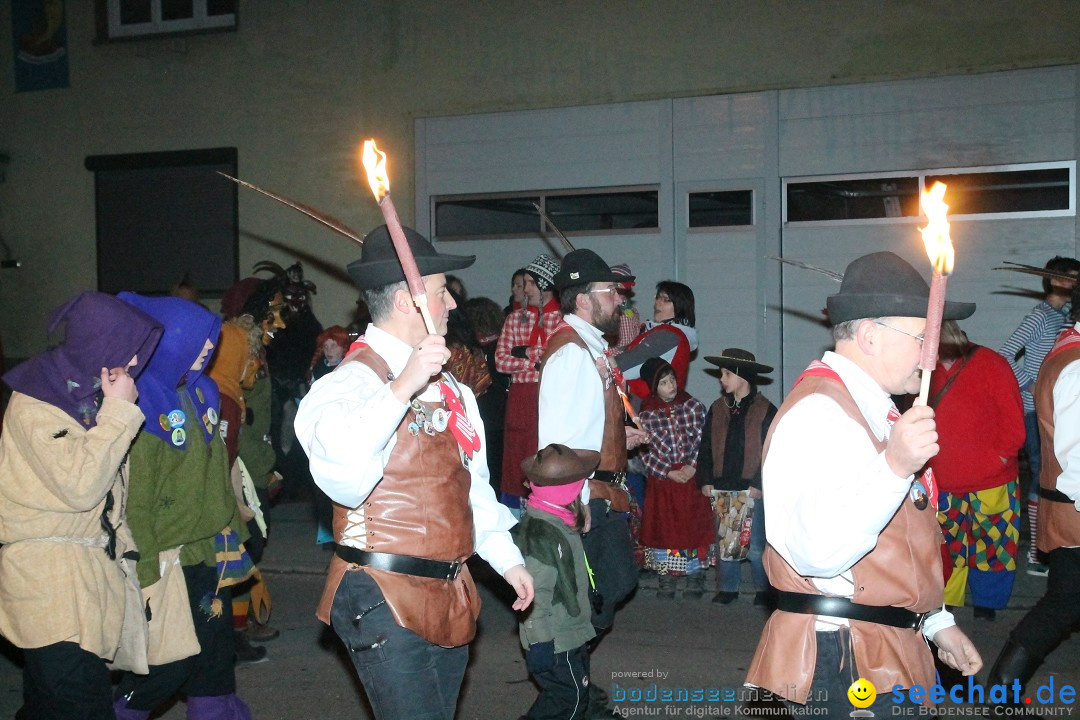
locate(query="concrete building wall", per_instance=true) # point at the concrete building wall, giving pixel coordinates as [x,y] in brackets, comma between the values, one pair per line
[299,85]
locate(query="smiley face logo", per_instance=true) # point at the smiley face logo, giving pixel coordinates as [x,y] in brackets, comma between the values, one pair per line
[862,693]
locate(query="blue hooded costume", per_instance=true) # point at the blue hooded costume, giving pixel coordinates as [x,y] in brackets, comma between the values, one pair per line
[181,496]
[180,491]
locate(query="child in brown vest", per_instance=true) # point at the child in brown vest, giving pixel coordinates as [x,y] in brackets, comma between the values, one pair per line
[729,470]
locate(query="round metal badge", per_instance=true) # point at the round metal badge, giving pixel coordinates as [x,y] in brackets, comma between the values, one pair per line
[440,419]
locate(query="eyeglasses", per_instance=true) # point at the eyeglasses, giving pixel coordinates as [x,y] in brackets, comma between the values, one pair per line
[611,291]
[920,338]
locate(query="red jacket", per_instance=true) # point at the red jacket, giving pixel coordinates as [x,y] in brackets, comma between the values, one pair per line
[980,423]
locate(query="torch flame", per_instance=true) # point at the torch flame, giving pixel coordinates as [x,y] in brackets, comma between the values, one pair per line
[374,161]
[935,235]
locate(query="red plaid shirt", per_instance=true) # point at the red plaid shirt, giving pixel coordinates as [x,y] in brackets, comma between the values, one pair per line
[520,328]
[629,328]
[674,436]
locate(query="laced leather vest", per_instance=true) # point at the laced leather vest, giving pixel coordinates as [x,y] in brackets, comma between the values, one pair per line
[903,570]
[419,508]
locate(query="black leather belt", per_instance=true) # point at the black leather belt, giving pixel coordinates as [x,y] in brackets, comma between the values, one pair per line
[610,476]
[404,564]
[843,607]
[1054,495]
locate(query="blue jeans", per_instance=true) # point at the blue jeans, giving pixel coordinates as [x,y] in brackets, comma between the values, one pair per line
[403,674]
[731,572]
[834,673]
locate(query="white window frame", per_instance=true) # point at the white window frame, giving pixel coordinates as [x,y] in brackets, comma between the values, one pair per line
[199,21]
[922,175]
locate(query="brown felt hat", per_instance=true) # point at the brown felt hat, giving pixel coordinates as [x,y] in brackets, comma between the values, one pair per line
[558,465]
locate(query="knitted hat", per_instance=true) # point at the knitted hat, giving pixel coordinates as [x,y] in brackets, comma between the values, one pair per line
[624,270]
[543,270]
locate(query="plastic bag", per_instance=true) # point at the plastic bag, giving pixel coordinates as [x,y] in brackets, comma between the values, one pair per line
[734,511]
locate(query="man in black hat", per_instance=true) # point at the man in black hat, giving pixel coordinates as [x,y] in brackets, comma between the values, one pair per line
[397,444]
[581,406]
[854,545]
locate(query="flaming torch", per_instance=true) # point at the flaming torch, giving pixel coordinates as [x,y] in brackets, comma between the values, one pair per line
[374,161]
[939,249]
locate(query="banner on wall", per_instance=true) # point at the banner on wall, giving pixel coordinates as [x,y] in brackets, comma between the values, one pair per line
[39,30]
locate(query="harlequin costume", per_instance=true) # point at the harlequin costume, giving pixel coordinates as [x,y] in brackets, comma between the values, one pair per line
[184,515]
[69,596]
[980,424]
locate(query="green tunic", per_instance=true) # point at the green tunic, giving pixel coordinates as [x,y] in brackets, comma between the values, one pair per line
[179,497]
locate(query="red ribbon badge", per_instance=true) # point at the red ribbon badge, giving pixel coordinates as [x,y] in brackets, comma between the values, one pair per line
[464,432]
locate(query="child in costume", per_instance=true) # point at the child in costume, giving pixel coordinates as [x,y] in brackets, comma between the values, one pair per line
[555,629]
[676,528]
[185,520]
[70,599]
[233,369]
[729,471]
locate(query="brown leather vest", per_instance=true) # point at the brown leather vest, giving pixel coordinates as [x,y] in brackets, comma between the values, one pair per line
[419,508]
[903,570]
[613,445]
[1059,522]
[755,418]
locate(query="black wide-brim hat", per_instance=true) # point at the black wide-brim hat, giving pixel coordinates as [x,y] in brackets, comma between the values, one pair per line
[883,284]
[583,266]
[379,265]
[558,465]
[742,362]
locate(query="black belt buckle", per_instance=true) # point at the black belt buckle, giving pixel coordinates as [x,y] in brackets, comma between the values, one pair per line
[454,571]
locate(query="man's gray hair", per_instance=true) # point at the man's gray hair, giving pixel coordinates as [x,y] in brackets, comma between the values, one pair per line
[846,330]
[380,300]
